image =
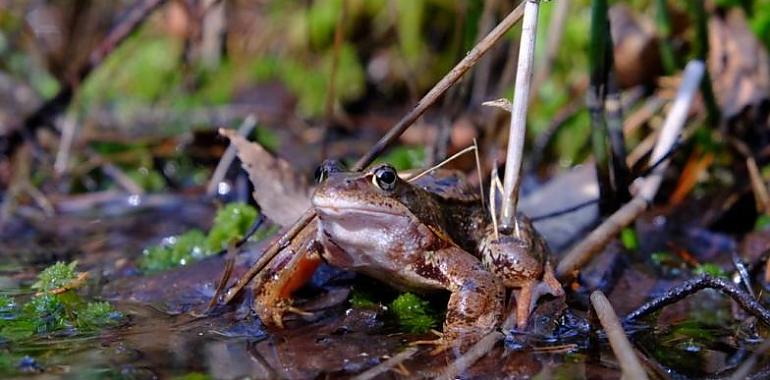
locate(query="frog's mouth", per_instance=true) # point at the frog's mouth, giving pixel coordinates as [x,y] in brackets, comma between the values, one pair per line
[340,207]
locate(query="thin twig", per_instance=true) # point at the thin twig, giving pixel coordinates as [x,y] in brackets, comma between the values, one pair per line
[597,239]
[518,129]
[621,347]
[442,163]
[227,158]
[387,365]
[692,286]
[434,94]
[743,273]
[761,196]
[69,125]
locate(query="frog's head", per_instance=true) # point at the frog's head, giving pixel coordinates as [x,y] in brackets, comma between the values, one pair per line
[365,206]
[375,192]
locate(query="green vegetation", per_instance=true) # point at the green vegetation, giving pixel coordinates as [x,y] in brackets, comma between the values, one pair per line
[629,239]
[230,225]
[404,157]
[54,312]
[51,312]
[59,275]
[363,298]
[413,313]
[763,221]
[710,269]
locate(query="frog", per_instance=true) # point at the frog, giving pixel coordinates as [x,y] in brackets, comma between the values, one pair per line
[427,235]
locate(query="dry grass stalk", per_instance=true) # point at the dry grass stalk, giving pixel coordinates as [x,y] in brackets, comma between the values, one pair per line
[621,347]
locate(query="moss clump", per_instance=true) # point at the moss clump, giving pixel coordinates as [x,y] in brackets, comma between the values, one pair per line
[413,313]
[53,312]
[710,269]
[230,224]
[175,251]
[7,306]
[47,312]
[97,314]
[363,299]
[57,276]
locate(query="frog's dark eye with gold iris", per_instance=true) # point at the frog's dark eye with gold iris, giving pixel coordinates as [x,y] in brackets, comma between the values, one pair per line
[385,177]
[326,168]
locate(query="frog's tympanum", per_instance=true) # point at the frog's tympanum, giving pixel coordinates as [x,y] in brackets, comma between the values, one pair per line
[431,234]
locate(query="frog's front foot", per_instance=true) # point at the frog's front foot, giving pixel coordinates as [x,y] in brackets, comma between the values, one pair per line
[530,292]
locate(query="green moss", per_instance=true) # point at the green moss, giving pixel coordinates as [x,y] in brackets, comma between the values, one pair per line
[193,376]
[47,312]
[56,276]
[762,222]
[413,313]
[7,304]
[175,251]
[148,179]
[230,224]
[362,299]
[629,239]
[405,157]
[710,269]
[97,314]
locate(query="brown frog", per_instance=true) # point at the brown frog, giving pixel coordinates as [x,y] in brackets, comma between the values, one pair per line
[421,236]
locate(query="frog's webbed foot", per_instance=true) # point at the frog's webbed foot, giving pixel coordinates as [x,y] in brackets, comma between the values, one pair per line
[439,342]
[447,341]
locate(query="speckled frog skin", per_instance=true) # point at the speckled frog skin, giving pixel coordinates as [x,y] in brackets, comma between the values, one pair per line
[428,234]
[423,236]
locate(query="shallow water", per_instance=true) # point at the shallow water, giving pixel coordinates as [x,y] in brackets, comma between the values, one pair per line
[162,337]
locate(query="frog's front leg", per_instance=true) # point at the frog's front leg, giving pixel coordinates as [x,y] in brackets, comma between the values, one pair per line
[287,272]
[531,291]
[475,305]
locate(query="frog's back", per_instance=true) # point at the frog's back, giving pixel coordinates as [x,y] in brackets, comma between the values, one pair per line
[450,185]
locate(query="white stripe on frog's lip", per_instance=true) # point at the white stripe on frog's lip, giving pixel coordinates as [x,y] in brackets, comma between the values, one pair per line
[339,206]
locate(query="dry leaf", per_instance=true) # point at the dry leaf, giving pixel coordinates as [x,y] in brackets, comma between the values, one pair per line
[282,194]
[738,64]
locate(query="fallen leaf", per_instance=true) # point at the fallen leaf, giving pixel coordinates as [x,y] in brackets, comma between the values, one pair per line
[738,63]
[281,193]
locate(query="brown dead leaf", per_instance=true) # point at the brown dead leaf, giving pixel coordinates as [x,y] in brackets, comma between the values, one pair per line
[637,60]
[738,63]
[282,193]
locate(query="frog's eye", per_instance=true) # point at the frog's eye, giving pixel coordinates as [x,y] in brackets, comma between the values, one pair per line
[327,167]
[385,177]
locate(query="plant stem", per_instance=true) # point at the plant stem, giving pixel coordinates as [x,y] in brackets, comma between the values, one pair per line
[700,52]
[599,66]
[621,347]
[518,128]
[663,26]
